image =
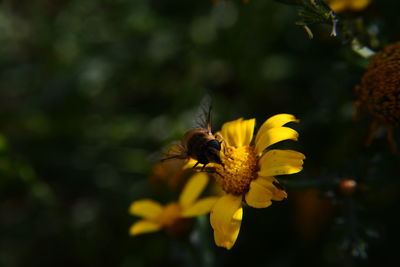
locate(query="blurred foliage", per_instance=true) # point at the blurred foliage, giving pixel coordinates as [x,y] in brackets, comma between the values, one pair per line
[91,90]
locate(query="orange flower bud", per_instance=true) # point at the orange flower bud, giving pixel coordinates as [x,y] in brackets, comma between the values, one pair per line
[347,187]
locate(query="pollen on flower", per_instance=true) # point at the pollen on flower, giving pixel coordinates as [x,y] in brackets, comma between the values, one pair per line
[240,168]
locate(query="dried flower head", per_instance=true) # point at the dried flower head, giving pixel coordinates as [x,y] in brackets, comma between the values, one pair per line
[379,91]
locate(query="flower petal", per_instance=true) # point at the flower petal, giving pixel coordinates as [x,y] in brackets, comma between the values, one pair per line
[279,162]
[226,217]
[258,195]
[275,121]
[146,208]
[200,207]
[284,154]
[273,136]
[239,132]
[193,188]
[267,182]
[228,238]
[223,211]
[144,226]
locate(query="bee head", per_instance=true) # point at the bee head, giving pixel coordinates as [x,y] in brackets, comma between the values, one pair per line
[212,150]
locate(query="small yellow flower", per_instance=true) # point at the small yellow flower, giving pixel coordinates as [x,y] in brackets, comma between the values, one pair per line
[347,5]
[171,216]
[249,170]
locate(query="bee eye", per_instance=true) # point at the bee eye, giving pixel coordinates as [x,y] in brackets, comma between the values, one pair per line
[214,144]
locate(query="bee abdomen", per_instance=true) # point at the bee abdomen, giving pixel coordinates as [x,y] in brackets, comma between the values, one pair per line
[196,145]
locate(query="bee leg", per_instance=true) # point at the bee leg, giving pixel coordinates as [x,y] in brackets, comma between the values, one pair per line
[202,169]
[222,140]
[204,166]
[195,165]
[218,174]
[212,170]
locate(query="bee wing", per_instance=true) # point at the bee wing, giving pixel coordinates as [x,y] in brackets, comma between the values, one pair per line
[203,116]
[174,151]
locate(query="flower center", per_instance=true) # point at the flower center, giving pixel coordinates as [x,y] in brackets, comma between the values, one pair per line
[170,214]
[240,168]
[173,223]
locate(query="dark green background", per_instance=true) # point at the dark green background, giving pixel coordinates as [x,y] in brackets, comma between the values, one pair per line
[90,90]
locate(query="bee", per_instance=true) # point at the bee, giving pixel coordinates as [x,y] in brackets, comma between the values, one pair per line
[199,143]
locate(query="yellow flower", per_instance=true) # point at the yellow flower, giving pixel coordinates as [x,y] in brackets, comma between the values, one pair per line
[248,171]
[347,5]
[173,215]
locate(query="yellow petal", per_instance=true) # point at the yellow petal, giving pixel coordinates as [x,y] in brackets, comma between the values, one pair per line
[275,121]
[223,210]
[238,215]
[226,217]
[275,154]
[193,188]
[258,195]
[146,208]
[273,136]
[200,207]
[228,238]
[143,226]
[239,132]
[267,182]
[279,162]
